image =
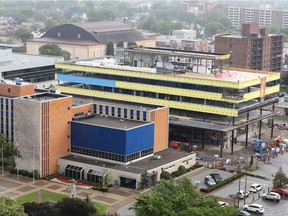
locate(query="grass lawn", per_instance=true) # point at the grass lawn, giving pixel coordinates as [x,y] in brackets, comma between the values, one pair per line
[48,196]
[101,208]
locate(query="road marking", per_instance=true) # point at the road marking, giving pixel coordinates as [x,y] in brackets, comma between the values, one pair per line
[254,182]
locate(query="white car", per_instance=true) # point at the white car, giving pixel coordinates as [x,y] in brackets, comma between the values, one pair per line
[254,188]
[240,194]
[272,196]
[223,204]
[257,208]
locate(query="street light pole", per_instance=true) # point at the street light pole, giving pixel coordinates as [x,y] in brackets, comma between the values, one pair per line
[2,157]
[33,149]
[17,151]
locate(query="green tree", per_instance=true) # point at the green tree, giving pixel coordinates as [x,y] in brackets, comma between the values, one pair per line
[76,207]
[54,50]
[280,179]
[186,17]
[179,197]
[145,181]
[40,209]
[110,49]
[9,207]
[23,34]
[213,28]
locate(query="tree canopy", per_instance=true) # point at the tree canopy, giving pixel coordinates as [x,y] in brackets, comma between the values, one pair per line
[179,198]
[280,179]
[9,207]
[54,50]
[23,34]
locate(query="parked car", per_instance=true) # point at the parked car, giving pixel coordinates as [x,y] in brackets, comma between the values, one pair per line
[223,204]
[257,208]
[254,188]
[217,178]
[280,191]
[240,194]
[272,196]
[209,181]
[244,213]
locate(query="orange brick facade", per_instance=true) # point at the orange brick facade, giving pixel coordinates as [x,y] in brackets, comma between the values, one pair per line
[60,115]
[160,117]
[86,108]
[13,90]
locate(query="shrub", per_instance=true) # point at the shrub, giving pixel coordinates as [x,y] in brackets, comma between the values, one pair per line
[222,183]
[175,174]
[165,175]
[36,174]
[30,174]
[181,170]
[195,166]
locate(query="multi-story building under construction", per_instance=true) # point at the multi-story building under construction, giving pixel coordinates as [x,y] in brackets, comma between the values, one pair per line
[211,106]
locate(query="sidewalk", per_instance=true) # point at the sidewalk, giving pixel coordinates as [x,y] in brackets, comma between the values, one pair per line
[12,187]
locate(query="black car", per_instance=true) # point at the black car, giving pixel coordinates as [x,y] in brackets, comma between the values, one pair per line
[244,213]
[217,178]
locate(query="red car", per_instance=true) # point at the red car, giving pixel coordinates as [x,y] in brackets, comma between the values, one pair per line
[281,191]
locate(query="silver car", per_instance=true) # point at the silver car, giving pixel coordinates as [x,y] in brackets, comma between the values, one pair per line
[272,196]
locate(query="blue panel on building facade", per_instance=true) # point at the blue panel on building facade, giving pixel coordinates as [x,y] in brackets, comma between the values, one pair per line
[140,138]
[86,80]
[112,140]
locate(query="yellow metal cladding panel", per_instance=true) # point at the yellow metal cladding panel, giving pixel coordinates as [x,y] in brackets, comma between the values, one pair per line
[251,95]
[272,77]
[177,78]
[227,56]
[174,91]
[256,94]
[172,104]
[155,76]
[273,89]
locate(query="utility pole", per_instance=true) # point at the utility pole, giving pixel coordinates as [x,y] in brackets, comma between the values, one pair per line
[245,187]
[239,171]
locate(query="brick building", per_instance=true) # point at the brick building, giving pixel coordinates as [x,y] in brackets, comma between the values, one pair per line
[253,49]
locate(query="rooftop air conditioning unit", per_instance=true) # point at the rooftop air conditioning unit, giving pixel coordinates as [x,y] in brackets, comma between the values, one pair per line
[156,157]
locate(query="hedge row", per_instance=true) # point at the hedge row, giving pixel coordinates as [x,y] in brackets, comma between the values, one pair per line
[181,171]
[222,183]
[26,173]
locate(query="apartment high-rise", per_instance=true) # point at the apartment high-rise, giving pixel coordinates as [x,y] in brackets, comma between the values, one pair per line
[265,17]
[253,49]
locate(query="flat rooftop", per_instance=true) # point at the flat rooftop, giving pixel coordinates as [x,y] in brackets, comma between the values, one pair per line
[167,156]
[14,61]
[78,100]
[12,82]
[106,121]
[44,97]
[233,75]
[174,52]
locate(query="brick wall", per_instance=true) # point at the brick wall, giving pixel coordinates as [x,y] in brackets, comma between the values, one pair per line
[13,90]
[160,117]
[60,115]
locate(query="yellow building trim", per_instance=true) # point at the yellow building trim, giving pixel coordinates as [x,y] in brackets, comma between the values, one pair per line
[154,76]
[256,94]
[197,80]
[227,56]
[272,89]
[174,91]
[145,100]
